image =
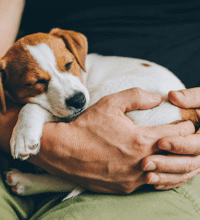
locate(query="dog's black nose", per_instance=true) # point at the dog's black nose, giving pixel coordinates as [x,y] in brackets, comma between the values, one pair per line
[77,101]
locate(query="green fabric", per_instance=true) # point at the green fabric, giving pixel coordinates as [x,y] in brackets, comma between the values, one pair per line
[182,203]
[12,206]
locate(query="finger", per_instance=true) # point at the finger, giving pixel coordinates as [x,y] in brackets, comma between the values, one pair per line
[180,129]
[189,144]
[133,99]
[188,98]
[168,178]
[170,163]
[167,187]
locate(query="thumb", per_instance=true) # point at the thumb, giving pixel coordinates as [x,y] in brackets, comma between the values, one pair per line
[135,98]
[187,98]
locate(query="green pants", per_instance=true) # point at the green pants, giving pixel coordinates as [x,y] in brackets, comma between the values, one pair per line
[182,203]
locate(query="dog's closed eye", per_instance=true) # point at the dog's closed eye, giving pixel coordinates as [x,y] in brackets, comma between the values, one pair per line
[41,81]
[68,65]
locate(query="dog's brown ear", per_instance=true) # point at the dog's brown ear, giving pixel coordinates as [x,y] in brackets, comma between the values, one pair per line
[75,42]
[2,94]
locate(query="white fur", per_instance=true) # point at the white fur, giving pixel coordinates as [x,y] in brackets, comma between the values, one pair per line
[61,86]
[105,75]
[29,183]
[30,123]
[27,133]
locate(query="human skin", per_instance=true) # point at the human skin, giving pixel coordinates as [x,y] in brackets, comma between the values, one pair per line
[10,17]
[173,170]
[102,149]
[163,166]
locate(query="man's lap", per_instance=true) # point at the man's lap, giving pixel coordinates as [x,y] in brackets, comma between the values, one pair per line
[141,205]
[11,206]
[146,203]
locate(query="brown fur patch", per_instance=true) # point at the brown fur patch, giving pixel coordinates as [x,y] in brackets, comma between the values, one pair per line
[146,64]
[190,114]
[22,71]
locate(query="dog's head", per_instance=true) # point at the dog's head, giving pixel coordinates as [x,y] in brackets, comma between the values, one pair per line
[46,69]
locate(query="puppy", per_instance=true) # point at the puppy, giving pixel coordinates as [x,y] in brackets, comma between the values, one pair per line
[47,73]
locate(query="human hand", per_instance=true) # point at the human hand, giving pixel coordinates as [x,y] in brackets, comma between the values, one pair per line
[101,150]
[172,170]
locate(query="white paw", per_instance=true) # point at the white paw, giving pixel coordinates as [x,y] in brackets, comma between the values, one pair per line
[24,142]
[15,179]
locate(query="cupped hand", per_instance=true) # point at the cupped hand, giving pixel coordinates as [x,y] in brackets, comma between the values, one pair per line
[101,150]
[173,170]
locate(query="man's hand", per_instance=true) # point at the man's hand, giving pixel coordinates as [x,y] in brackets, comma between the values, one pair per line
[173,170]
[101,150]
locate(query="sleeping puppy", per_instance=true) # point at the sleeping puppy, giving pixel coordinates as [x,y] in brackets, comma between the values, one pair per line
[55,79]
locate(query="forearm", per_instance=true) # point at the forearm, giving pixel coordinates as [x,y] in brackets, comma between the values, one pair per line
[101,150]
[10,17]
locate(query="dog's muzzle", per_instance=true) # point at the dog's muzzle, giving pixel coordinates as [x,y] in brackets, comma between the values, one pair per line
[76,101]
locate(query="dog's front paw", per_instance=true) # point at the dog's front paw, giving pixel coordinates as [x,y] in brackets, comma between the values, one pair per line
[24,142]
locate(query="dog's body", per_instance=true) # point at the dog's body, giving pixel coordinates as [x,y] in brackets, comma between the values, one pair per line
[107,75]
[52,90]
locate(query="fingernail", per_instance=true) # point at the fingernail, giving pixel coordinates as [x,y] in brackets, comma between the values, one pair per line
[179,94]
[150,166]
[154,179]
[166,147]
[160,186]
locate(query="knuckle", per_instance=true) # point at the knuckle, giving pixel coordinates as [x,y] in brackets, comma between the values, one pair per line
[191,166]
[184,128]
[108,101]
[138,91]
[140,140]
[181,132]
[141,143]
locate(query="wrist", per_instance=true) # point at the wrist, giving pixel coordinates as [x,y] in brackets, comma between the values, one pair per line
[53,150]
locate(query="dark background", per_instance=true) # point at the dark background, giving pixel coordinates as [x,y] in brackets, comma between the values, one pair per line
[165,32]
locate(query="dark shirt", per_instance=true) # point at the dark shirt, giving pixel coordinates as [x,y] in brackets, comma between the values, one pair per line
[165,32]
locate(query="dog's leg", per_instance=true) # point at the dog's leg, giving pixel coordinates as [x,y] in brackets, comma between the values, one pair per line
[28,184]
[25,140]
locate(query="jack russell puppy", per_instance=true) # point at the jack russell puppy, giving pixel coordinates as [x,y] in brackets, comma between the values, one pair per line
[56,80]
